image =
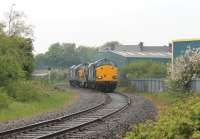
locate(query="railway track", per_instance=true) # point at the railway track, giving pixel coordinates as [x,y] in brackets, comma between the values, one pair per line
[70,125]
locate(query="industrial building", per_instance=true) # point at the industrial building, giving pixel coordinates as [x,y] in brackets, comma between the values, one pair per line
[124,54]
[180,46]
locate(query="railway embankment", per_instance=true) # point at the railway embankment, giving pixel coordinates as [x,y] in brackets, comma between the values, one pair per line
[30,101]
[115,125]
[178,116]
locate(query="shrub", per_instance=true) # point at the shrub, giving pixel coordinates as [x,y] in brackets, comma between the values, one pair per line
[10,68]
[180,121]
[16,58]
[25,91]
[58,75]
[185,68]
[142,69]
[4,99]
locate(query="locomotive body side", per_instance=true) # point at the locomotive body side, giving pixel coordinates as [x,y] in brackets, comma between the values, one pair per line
[82,75]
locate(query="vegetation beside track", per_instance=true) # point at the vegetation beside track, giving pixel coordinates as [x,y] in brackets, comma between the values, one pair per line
[19,95]
[28,98]
[179,117]
[160,100]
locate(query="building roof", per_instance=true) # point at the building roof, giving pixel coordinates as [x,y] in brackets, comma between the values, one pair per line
[144,54]
[156,48]
[128,48]
[186,40]
[141,51]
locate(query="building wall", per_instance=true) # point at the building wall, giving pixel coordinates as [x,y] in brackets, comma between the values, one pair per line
[179,47]
[162,60]
[117,59]
[120,61]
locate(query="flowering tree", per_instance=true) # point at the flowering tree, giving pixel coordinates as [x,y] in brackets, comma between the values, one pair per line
[184,69]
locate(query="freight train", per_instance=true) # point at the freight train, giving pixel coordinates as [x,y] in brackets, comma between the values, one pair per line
[101,75]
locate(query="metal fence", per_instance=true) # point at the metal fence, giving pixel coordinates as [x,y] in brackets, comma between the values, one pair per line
[195,85]
[148,85]
[158,85]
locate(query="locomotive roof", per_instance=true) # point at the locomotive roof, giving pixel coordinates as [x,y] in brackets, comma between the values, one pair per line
[103,59]
[97,61]
[72,66]
[78,66]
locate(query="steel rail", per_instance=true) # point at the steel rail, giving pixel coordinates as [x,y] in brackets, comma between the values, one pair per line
[81,119]
[63,131]
[43,123]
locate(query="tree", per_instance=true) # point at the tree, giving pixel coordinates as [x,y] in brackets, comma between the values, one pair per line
[139,69]
[16,48]
[11,68]
[41,61]
[110,45]
[86,53]
[25,45]
[185,68]
[64,55]
[2,26]
[16,25]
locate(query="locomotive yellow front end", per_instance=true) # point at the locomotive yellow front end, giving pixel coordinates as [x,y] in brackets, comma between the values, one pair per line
[106,77]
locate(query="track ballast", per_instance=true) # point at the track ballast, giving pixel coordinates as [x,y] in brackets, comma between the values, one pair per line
[70,125]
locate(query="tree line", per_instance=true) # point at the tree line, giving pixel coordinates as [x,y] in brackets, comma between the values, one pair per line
[63,55]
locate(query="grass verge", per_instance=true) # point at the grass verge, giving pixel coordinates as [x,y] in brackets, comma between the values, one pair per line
[160,100]
[50,100]
[179,117]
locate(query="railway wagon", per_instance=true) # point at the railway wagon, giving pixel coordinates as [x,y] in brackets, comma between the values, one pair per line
[101,74]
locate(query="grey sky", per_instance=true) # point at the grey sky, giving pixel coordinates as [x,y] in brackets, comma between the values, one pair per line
[93,22]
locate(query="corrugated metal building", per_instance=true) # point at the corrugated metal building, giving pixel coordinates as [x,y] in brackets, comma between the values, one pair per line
[180,46]
[125,54]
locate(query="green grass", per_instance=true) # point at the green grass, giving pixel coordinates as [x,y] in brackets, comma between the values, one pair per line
[180,120]
[178,116]
[50,99]
[17,110]
[160,100]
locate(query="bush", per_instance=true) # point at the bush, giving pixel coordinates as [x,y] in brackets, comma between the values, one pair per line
[16,58]
[142,69]
[4,99]
[58,75]
[25,91]
[184,69]
[145,69]
[180,121]
[10,68]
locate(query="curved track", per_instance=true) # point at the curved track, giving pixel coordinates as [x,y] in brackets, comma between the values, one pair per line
[70,125]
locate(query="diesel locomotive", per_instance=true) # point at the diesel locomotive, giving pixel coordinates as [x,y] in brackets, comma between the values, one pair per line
[101,75]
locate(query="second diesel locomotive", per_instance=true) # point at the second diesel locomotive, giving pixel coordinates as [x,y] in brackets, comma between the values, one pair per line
[101,74]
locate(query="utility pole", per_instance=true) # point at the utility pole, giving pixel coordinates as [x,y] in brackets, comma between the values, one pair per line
[49,73]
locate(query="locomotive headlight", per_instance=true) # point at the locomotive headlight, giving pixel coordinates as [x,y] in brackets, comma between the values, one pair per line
[99,77]
[114,77]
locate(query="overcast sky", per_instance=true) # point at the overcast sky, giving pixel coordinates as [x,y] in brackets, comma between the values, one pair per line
[93,22]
